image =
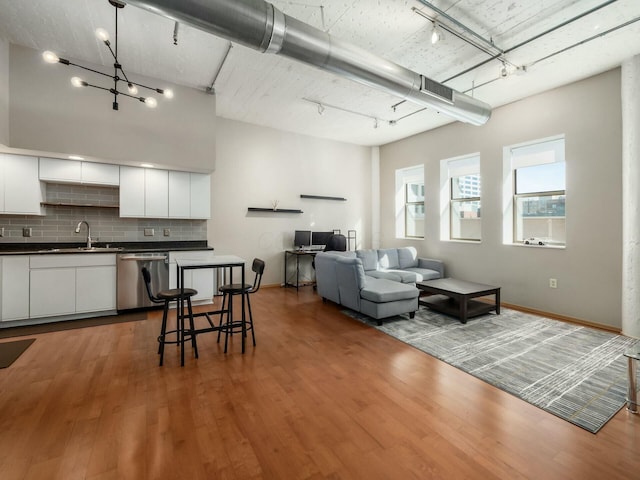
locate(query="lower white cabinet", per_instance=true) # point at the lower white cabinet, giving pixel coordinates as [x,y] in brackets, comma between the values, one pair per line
[53,292]
[68,284]
[14,287]
[203,280]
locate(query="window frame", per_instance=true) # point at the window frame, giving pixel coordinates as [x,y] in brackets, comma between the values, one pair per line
[451,169]
[408,204]
[513,213]
[405,177]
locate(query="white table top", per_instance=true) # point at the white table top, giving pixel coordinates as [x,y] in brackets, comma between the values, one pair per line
[213,261]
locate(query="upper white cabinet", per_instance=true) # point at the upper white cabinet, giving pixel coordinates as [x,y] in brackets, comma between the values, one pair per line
[189,195]
[144,192]
[73,171]
[153,193]
[20,189]
[200,195]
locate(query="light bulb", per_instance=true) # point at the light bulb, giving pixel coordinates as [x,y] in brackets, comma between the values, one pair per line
[102,34]
[50,57]
[78,82]
[151,102]
[133,90]
[168,93]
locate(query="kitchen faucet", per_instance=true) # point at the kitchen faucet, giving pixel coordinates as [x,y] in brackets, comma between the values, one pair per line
[88,231]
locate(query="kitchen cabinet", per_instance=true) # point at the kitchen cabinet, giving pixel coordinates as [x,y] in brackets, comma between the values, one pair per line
[203,280]
[63,284]
[14,287]
[144,192]
[189,195]
[21,190]
[74,171]
[200,195]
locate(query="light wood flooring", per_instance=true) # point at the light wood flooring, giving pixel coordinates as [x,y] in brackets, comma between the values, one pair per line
[321,396]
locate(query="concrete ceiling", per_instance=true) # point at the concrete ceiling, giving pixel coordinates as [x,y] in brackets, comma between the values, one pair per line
[273,91]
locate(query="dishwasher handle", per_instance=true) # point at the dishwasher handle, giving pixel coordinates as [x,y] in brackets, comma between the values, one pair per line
[152,258]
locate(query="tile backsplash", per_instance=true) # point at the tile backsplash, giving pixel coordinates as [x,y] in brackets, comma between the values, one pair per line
[106,226]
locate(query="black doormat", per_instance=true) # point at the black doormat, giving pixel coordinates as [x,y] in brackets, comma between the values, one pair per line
[25,330]
[10,351]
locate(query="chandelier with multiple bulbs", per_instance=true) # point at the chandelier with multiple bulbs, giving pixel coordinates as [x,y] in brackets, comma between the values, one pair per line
[118,74]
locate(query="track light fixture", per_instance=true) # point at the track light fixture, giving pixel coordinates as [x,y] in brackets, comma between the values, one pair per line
[436,34]
[118,73]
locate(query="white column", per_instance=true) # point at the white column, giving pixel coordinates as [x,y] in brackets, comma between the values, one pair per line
[375,197]
[631,197]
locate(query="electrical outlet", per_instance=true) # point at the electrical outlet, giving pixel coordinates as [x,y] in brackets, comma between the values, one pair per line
[553,283]
[167,232]
[27,231]
[149,232]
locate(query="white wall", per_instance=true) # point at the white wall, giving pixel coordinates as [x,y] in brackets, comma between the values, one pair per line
[4,92]
[588,271]
[48,114]
[257,165]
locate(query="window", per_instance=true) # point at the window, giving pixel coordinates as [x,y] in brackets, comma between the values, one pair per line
[461,187]
[538,179]
[410,202]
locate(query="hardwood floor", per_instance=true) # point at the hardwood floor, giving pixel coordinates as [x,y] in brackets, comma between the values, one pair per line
[320,396]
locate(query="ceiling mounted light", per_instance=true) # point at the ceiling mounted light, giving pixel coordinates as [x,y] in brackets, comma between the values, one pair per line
[118,72]
[436,34]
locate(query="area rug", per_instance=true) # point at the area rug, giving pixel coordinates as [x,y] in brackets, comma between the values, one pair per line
[577,373]
[10,351]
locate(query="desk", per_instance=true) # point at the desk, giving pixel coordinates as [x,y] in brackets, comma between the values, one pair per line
[216,261]
[297,254]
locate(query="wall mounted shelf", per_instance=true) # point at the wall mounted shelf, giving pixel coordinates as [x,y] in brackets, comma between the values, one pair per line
[83,205]
[321,197]
[277,210]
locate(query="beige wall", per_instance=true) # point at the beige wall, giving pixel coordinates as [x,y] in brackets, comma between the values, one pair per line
[48,114]
[588,271]
[257,165]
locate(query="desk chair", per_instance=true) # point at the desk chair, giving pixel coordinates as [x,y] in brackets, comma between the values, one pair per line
[336,243]
[166,297]
[228,292]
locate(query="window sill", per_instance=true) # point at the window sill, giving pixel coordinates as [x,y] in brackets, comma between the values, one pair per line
[471,242]
[548,247]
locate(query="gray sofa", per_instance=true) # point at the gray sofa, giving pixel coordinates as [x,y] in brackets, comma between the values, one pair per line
[342,278]
[400,264]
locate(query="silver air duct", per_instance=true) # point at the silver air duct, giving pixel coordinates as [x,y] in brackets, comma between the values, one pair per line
[261,26]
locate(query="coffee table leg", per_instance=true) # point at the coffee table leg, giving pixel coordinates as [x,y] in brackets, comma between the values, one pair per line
[498,301]
[463,309]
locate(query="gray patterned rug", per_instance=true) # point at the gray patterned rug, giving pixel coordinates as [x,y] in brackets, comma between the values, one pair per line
[577,373]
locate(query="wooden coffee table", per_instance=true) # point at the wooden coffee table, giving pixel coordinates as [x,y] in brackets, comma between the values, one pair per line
[453,297]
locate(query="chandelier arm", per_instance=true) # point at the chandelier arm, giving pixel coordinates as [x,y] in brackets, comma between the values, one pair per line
[91,70]
[159,90]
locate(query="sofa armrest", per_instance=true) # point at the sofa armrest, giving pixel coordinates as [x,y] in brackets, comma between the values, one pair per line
[432,264]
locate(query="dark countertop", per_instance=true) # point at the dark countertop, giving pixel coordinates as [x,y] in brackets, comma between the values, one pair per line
[36,248]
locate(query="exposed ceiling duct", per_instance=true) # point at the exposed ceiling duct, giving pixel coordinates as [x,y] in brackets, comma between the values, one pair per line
[259,25]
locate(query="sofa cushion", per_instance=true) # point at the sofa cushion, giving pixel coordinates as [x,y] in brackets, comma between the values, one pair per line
[369,259]
[388,258]
[402,276]
[380,291]
[423,274]
[357,272]
[408,257]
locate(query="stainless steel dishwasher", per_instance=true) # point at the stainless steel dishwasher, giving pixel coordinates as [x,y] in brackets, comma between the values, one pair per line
[131,291]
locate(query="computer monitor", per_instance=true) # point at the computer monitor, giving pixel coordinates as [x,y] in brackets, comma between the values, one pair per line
[320,238]
[302,238]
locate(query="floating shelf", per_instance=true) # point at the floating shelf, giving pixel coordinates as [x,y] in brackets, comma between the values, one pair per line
[320,197]
[277,210]
[83,205]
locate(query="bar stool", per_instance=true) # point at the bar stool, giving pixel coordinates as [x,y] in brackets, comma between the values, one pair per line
[228,291]
[166,297]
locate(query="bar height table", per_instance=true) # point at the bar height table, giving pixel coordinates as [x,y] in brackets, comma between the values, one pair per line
[216,261]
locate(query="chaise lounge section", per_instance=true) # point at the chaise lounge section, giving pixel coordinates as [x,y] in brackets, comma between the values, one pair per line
[342,278]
